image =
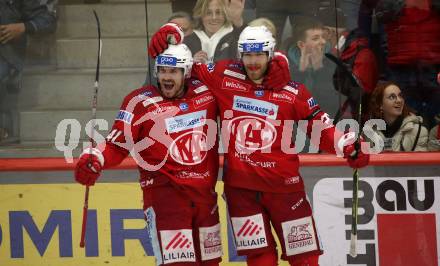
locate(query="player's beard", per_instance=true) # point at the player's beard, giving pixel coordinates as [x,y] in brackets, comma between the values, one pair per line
[256,72]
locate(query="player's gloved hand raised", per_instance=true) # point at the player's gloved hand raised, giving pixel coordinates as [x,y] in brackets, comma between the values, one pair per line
[278,73]
[89,167]
[355,157]
[169,33]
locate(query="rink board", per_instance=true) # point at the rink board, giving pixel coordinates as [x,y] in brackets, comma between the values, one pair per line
[40,224]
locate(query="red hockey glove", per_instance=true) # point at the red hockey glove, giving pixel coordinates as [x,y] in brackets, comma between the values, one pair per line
[89,167]
[169,33]
[351,149]
[278,73]
[355,157]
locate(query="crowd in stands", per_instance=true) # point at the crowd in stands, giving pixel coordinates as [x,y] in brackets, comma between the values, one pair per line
[18,20]
[391,47]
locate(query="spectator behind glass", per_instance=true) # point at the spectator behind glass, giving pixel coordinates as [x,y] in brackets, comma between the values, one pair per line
[308,65]
[334,33]
[17,20]
[264,22]
[404,130]
[217,25]
[413,39]
[184,20]
[434,136]
[278,11]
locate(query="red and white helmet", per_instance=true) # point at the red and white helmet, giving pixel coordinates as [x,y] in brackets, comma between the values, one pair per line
[256,39]
[179,56]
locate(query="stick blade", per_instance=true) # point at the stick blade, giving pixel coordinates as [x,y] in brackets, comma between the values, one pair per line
[353,249]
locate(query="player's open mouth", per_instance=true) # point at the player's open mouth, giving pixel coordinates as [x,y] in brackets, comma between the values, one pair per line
[168,86]
[254,68]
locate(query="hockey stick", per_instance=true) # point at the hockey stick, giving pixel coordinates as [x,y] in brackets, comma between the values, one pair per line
[148,41]
[94,105]
[355,199]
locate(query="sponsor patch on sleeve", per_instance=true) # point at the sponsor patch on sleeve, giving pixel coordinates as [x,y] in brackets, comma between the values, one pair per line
[312,102]
[124,116]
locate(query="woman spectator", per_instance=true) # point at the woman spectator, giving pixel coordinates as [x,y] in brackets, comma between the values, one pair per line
[404,131]
[217,25]
[434,136]
[264,22]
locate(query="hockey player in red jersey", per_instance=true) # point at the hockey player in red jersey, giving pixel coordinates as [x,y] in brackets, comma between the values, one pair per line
[171,133]
[263,185]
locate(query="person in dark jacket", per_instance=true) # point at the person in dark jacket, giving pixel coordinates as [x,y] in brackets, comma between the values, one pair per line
[362,62]
[18,18]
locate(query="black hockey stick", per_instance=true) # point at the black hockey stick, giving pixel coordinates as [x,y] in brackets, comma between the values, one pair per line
[355,201]
[94,105]
[148,41]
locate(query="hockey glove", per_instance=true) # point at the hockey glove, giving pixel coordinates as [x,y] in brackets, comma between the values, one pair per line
[89,167]
[278,73]
[169,33]
[355,157]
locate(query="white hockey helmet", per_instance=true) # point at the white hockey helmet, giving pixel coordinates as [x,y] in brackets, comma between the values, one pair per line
[179,56]
[256,39]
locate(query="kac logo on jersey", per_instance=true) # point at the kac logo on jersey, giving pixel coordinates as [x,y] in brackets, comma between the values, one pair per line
[183,106]
[253,47]
[166,60]
[254,106]
[125,116]
[189,148]
[252,133]
[259,93]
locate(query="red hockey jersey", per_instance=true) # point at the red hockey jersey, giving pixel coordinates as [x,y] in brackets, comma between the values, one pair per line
[172,140]
[257,125]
